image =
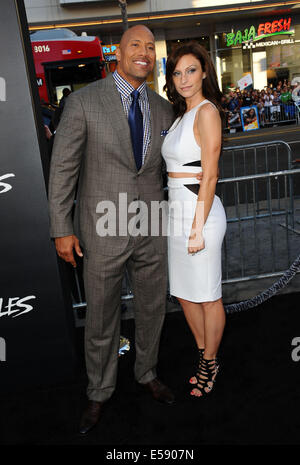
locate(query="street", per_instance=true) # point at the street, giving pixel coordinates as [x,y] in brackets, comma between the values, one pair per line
[288,133]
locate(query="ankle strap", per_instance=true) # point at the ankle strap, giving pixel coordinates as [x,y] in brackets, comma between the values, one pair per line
[209,361]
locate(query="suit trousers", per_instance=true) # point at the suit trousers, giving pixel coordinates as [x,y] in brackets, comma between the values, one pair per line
[103,276]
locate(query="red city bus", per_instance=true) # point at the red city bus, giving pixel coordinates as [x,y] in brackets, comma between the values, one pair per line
[63,59]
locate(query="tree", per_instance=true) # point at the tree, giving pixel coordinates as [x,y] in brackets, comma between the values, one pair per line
[123,6]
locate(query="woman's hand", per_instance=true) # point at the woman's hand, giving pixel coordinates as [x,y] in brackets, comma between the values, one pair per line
[196,242]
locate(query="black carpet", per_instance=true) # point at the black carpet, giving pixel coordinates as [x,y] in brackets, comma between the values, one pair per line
[255,400]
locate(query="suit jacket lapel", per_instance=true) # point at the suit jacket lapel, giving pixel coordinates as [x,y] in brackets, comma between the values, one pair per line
[113,107]
[155,134]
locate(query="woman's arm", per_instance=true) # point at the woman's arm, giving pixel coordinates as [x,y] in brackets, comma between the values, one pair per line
[209,134]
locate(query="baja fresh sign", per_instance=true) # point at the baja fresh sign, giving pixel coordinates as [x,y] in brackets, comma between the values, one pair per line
[268,29]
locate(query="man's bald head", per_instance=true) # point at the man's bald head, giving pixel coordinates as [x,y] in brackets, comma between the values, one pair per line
[134,32]
[136,54]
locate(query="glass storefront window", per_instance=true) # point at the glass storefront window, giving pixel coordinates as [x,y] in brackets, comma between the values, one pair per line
[283,60]
[234,63]
[272,59]
[203,40]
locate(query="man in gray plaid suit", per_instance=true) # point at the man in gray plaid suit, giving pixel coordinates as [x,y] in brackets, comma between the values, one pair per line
[96,146]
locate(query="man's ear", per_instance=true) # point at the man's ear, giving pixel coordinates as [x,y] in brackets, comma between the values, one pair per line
[118,54]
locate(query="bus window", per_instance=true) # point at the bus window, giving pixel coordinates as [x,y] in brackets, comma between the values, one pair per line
[71,75]
[63,59]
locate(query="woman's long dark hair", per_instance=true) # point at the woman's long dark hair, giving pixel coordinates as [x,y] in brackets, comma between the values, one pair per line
[210,87]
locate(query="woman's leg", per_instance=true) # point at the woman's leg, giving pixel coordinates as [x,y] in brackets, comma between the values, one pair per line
[206,321]
[194,316]
[214,323]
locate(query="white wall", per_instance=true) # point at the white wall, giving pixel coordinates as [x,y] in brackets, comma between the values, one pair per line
[164,5]
[260,79]
[52,10]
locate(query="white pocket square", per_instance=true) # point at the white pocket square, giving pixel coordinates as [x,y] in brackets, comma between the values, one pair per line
[164,132]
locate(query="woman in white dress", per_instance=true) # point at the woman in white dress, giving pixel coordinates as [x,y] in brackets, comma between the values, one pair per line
[197,219]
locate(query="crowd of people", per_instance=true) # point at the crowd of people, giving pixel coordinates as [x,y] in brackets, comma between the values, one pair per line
[274,104]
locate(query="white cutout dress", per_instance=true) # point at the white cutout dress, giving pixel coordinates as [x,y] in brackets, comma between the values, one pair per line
[197,278]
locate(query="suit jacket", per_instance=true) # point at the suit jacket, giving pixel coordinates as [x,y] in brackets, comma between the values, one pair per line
[93,147]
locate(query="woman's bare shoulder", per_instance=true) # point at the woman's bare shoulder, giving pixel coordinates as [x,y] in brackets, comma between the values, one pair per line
[207,112]
[208,108]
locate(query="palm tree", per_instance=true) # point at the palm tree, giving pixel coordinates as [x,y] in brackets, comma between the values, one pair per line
[123,6]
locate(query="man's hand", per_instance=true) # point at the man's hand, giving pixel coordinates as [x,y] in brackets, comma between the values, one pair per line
[47,132]
[65,246]
[199,175]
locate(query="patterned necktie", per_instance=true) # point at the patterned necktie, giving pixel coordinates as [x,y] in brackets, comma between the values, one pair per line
[135,120]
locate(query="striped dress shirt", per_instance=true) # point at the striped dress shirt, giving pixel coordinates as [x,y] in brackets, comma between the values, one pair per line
[125,89]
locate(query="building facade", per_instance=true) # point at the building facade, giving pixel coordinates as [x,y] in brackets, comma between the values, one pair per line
[257,38]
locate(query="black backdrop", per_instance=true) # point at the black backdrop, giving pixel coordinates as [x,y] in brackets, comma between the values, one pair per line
[35,320]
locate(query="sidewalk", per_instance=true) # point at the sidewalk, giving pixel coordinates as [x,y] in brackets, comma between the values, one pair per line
[254,399]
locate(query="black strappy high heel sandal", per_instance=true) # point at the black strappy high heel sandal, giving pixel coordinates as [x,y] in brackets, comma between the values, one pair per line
[206,377]
[193,380]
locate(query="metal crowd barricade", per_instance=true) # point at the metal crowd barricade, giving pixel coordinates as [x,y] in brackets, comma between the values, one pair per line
[261,240]
[282,113]
[258,158]
[297,106]
[261,157]
[268,116]
[261,198]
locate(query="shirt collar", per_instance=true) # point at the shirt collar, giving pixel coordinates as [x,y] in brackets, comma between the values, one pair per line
[125,88]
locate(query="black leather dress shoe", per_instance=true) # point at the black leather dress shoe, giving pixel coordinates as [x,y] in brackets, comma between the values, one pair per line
[159,391]
[90,416]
